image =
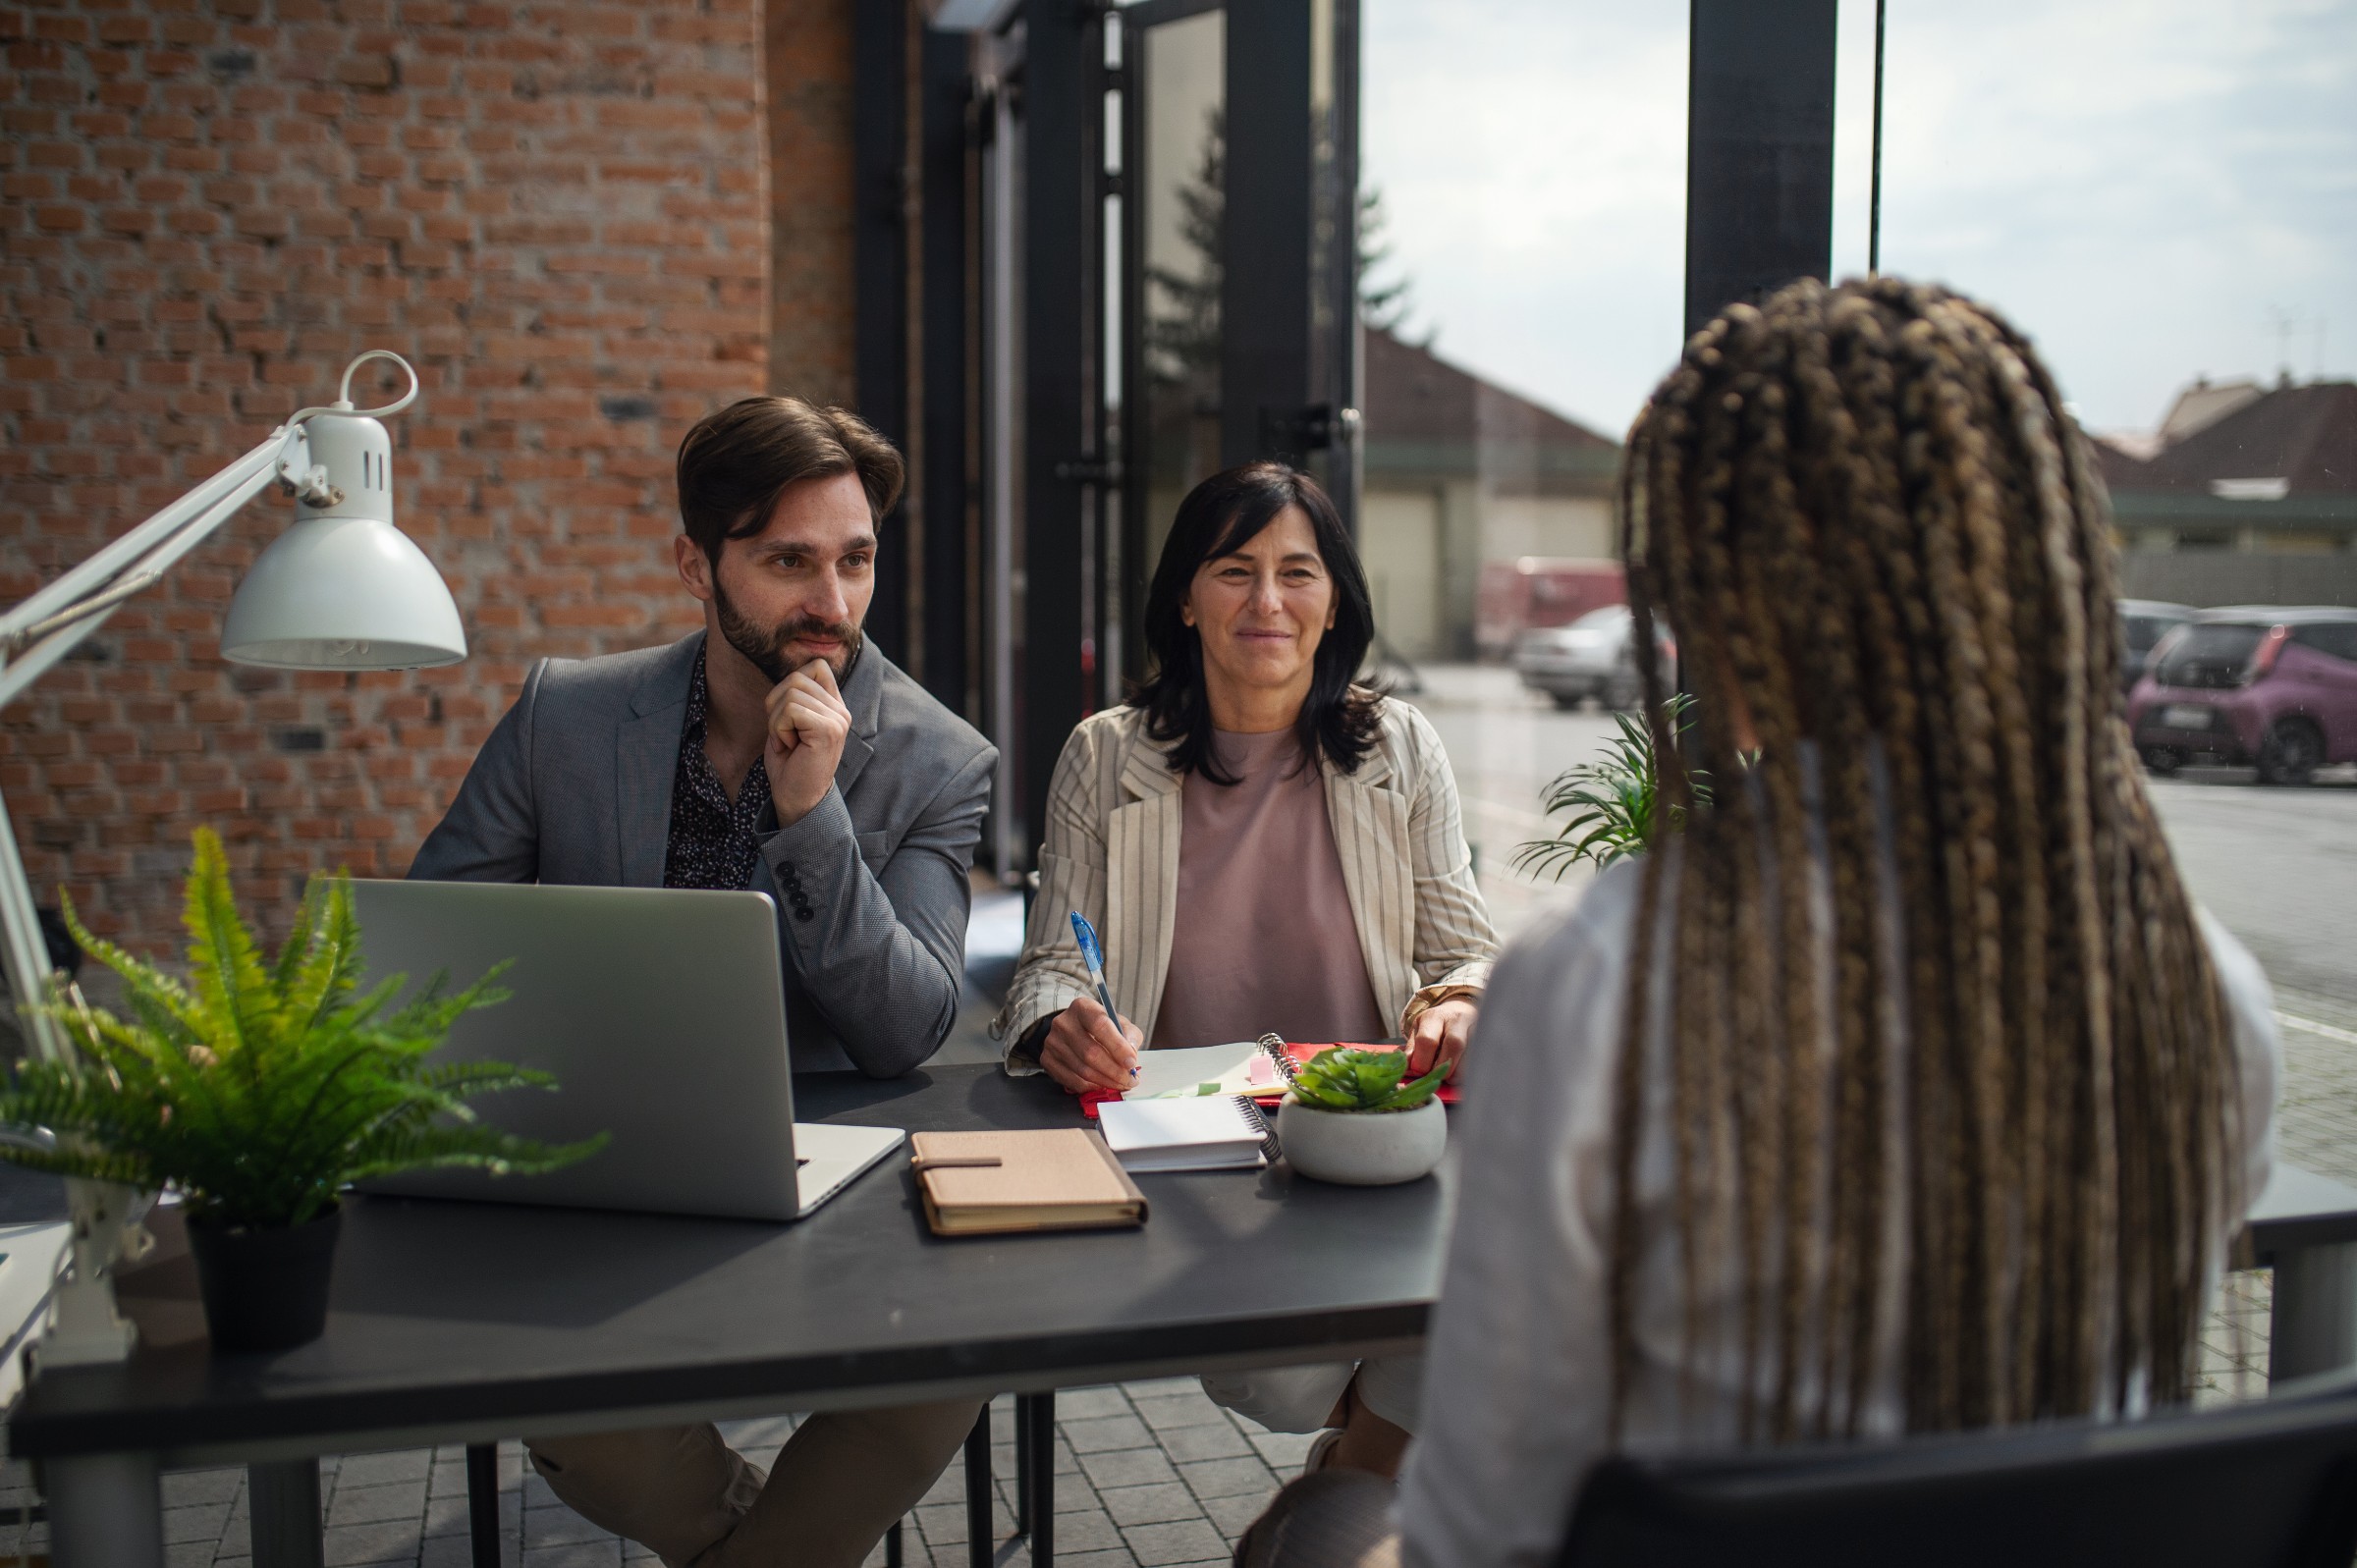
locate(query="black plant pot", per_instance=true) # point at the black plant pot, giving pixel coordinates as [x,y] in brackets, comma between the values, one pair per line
[266,1287]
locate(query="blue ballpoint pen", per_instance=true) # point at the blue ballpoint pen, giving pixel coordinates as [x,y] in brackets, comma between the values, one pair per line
[1094,956]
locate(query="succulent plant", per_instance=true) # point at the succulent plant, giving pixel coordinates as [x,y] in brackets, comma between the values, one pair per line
[1352,1078]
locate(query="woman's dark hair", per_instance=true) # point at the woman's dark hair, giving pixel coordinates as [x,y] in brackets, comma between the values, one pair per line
[1217,518]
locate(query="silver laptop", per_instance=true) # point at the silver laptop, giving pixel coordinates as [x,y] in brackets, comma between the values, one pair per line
[662,1013]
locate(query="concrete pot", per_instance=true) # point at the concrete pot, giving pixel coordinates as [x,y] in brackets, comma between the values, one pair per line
[1364,1148]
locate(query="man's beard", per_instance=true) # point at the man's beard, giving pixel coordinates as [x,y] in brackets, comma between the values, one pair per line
[766,648]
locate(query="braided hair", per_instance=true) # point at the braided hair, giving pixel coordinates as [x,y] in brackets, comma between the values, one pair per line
[1882,542]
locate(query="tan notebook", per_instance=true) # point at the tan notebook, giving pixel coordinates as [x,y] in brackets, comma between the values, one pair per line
[1061,1179]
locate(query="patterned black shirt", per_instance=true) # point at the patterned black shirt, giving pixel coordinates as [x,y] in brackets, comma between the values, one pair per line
[712,843]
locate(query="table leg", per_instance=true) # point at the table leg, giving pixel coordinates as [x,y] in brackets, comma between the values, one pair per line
[1022,1467]
[483,1502]
[1038,1413]
[2312,1326]
[105,1511]
[980,1484]
[283,1498]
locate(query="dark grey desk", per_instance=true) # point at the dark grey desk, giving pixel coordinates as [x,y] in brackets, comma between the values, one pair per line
[2305,1226]
[463,1323]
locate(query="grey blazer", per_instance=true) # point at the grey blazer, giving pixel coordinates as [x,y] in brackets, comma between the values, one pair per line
[575,786]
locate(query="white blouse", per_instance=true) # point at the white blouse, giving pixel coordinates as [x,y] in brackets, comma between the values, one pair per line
[1517,1360]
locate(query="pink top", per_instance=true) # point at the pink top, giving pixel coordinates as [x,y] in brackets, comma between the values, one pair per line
[1264,938]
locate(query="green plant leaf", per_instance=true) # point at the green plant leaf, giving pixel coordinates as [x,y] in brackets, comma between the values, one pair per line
[261,1090]
[1616,806]
[1355,1078]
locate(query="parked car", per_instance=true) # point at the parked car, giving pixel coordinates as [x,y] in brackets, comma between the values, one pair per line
[2268,686]
[1594,656]
[2142,623]
[1532,591]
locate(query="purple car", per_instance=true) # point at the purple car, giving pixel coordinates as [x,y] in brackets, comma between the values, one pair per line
[2262,685]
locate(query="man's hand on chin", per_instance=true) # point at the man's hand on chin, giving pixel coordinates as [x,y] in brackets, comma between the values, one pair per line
[807,727]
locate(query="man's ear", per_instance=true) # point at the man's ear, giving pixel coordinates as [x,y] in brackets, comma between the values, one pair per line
[696,568]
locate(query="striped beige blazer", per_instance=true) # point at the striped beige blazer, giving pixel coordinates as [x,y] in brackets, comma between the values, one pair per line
[1112,852]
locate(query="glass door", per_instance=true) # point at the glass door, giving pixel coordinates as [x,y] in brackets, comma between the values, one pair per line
[1231,255]
[1173,178]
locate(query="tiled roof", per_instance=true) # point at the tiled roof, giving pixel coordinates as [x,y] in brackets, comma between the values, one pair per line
[2305,436]
[2122,471]
[1415,395]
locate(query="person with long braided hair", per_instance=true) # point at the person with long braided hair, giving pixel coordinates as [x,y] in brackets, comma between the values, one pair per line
[1904,1089]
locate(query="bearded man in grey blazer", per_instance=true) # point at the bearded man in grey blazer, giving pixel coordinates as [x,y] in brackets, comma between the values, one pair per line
[772,750]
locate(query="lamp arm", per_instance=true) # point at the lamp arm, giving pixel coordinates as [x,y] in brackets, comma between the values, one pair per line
[48,641]
[128,551]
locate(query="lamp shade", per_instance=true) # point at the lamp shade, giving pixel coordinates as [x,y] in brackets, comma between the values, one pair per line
[343,593]
[343,589]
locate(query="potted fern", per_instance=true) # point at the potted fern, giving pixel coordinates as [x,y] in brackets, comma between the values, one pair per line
[1617,805]
[259,1090]
[1349,1117]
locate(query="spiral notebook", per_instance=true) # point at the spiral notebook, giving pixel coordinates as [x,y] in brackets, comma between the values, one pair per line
[1198,1132]
[1256,1067]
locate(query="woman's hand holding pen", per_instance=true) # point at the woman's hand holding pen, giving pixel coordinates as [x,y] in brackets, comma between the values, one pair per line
[1088,1049]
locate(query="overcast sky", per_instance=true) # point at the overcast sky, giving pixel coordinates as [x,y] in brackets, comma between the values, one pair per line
[2145,186]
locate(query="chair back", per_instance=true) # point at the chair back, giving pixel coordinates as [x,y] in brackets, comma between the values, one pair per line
[2267,1485]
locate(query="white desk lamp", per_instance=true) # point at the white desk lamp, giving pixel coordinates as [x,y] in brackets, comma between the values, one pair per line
[341,589]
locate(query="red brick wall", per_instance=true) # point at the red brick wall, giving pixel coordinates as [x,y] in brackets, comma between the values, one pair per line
[557,210]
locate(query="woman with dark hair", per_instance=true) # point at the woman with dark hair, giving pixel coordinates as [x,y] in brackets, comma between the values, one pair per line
[1265,845]
[1906,1089]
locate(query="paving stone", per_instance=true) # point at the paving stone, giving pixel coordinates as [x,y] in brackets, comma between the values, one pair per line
[1082,1404]
[1284,1450]
[458,1552]
[365,1505]
[1106,1432]
[1189,1408]
[1127,1467]
[557,1526]
[950,1486]
[943,1526]
[448,1479]
[180,1489]
[1219,1440]
[1228,1478]
[1097,1559]
[1093,1531]
[448,1515]
[357,1544]
[371,1470]
[187,1554]
[1150,1506]
[201,1521]
[606,1553]
[537,1493]
[1189,1541]
[1229,1515]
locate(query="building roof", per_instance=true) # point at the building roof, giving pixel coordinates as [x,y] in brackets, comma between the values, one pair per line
[2122,469]
[1426,416]
[2287,441]
[2203,405]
